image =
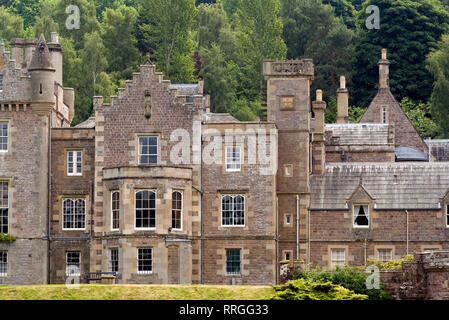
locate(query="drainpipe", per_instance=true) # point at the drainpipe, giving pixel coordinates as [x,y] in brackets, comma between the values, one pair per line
[202,212]
[277,240]
[308,236]
[49,198]
[406,213]
[365,249]
[297,227]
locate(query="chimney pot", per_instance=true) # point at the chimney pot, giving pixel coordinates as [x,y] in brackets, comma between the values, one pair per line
[319,95]
[384,54]
[342,82]
[54,37]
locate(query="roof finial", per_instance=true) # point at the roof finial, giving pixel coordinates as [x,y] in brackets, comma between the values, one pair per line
[147,59]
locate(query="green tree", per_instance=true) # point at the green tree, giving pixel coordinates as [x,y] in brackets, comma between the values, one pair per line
[311,30]
[258,29]
[343,9]
[438,64]
[88,20]
[11,25]
[44,22]
[164,29]
[119,40]
[27,9]
[420,115]
[409,29]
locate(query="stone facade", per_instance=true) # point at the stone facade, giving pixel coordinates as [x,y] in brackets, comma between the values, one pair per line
[156,189]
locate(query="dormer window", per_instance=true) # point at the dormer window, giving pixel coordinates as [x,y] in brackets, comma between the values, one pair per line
[361,216]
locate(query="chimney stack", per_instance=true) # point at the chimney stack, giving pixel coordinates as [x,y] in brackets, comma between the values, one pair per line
[384,70]
[318,143]
[342,102]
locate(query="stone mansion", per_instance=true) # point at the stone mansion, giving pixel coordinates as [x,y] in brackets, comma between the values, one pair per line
[157,189]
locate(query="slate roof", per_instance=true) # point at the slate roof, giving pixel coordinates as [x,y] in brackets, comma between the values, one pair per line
[439,149]
[409,185]
[41,57]
[409,154]
[186,89]
[354,134]
[88,124]
[219,118]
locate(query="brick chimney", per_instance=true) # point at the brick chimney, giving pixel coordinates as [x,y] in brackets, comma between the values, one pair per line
[384,71]
[318,143]
[342,102]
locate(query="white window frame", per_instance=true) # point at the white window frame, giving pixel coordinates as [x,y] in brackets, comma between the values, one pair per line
[4,274]
[384,250]
[240,262]
[231,161]
[112,210]
[110,259]
[7,136]
[233,225]
[63,215]
[139,154]
[288,219]
[354,216]
[152,261]
[135,210]
[2,206]
[182,209]
[74,165]
[336,262]
[447,215]
[67,265]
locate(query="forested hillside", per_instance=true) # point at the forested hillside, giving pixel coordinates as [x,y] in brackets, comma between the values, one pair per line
[224,42]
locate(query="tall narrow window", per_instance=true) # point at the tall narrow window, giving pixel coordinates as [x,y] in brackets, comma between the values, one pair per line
[361,216]
[1,82]
[145,260]
[73,263]
[74,214]
[115,210]
[233,158]
[447,215]
[74,163]
[113,262]
[384,114]
[338,258]
[233,261]
[147,150]
[385,255]
[3,137]
[176,211]
[4,206]
[233,210]
[3,263]
[145,209]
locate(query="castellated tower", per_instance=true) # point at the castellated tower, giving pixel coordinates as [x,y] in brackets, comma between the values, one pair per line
[288,102]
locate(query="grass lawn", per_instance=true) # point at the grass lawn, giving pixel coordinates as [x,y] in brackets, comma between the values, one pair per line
[134,292]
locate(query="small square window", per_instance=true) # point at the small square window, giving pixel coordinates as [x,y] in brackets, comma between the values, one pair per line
[148,150]
[233,158]
[288,219]
[74,163]
[385,255]
[3,137]
[73,263]
[287,256]
[288,170]
[361,216]
[145,260]
[338,258]
[232,261]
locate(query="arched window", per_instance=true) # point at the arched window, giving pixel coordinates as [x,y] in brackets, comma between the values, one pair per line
[176,211]
[115,210]
[74,214]
[233,210]
[145,209]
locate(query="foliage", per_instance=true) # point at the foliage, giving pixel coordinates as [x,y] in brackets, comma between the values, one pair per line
[311,30]
[303,289]
[245,110]
[438,65]
[420,115]
[343,9]
[164,30]
[44,21]
[351,278]
[390,265]
[7,238]
[409,29]
[355,114]
[11,25]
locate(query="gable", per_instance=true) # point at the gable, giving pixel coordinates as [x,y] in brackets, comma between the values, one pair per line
[406,134]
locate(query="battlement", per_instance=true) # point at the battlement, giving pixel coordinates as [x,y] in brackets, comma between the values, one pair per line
[273,68]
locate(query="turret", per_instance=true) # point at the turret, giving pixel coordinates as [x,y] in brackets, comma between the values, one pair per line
[42,78]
